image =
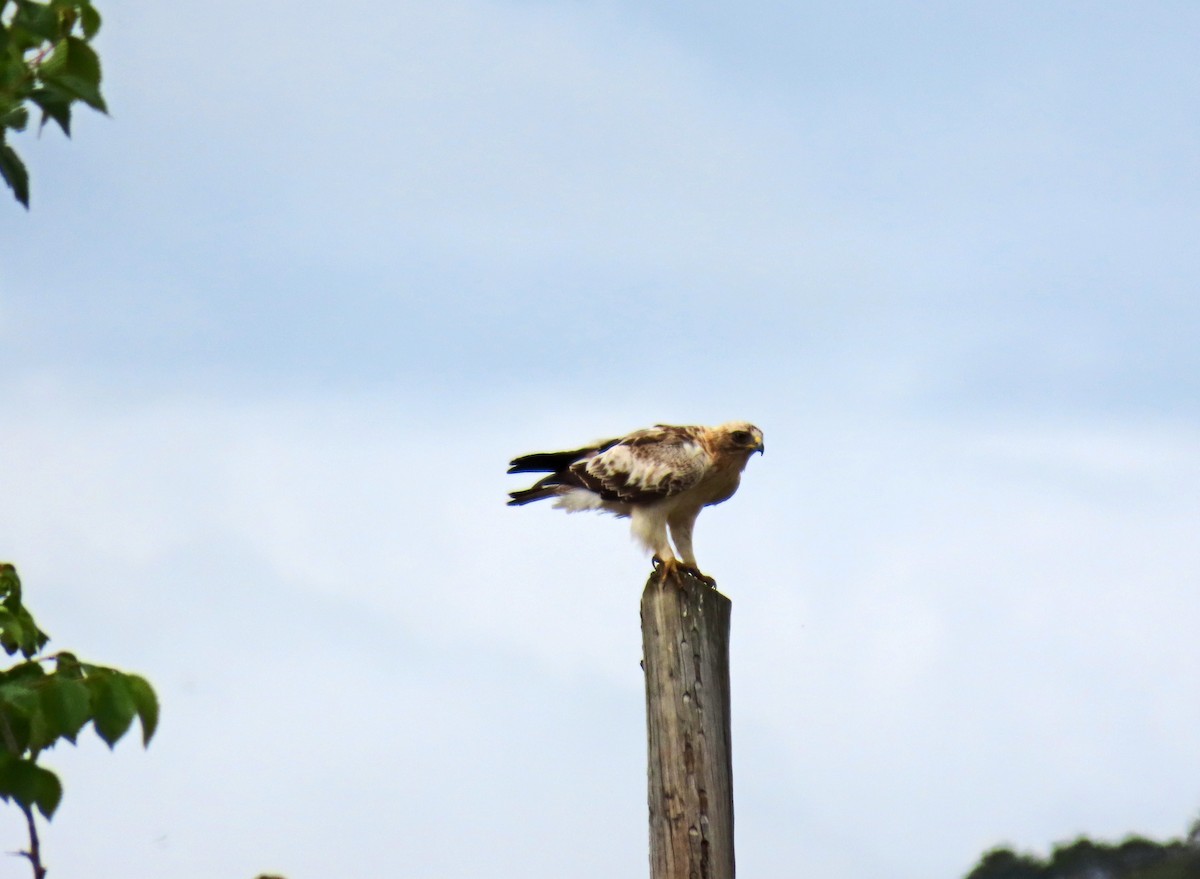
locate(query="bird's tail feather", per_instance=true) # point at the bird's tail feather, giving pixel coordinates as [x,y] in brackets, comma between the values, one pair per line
[543,462]
[552,462]
[529,495]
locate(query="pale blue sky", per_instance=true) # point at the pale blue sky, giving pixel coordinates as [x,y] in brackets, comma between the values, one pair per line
[272,331]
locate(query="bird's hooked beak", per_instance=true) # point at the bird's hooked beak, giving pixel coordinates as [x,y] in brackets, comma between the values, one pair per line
[761,448]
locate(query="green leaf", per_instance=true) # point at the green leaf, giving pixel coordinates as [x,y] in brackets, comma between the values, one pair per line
[56,105]
[147,705]
[73,69]
[39,20]
[82,61]
[35,638]
[30,785]
[67,665]
[12,633]
[22,672]
[21,633]
[90,19]
[15,117]
[18,699]
[66,707]
[38,735]
[15,740]
[19,689]
[79,88]
[19,706]
[113,706]
[10,583]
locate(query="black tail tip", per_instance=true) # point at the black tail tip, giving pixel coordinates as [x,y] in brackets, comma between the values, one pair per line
[529,495]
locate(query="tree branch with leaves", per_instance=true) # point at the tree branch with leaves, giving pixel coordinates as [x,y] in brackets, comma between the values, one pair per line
[47,698]
[47,62]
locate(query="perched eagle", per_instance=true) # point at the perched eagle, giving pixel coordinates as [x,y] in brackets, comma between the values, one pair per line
[659,477]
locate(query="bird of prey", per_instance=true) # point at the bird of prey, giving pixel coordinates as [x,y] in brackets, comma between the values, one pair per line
[660,478]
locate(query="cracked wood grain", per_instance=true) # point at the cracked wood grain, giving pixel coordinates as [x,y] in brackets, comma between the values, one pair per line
[685,648]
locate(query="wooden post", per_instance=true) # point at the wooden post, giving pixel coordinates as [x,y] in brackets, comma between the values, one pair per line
[685,648]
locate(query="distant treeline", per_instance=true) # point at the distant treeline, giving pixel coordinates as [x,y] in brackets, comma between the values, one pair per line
[1135,858]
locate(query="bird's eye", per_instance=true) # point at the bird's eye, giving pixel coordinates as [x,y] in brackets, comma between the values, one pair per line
[742,437]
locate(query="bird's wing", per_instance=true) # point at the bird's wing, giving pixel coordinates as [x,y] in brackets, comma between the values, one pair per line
[646,466]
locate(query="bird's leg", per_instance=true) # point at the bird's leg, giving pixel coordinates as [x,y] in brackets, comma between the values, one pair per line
[650,528]
[681,534]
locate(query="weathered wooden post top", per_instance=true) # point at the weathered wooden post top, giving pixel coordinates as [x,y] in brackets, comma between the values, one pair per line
[685,644]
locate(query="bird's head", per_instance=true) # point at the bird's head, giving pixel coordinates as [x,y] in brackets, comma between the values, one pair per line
[742,436]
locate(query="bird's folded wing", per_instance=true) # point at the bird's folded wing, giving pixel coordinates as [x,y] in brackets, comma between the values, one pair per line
[646,466]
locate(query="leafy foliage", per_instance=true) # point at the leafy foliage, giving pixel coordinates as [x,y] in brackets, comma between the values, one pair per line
[1135,858]
[47,699]
[46,60]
